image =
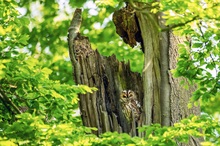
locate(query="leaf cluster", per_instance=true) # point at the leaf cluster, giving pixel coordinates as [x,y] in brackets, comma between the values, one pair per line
[32,130]
[26,84]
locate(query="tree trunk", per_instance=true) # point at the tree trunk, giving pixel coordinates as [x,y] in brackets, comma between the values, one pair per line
[101,109]
[165,100]
[162,98]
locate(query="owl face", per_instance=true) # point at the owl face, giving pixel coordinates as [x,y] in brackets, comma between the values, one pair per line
[127,95]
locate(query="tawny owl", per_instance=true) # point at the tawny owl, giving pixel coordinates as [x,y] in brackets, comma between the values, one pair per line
[130,105]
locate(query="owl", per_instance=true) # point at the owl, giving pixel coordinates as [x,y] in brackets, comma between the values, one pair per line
[130,105]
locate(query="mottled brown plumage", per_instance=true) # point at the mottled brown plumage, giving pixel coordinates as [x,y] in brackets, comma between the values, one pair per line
[130,105]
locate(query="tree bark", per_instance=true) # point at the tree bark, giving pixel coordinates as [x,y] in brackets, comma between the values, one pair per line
[165,100]
[180,97]
[162,97]
[101,109]
[151,71]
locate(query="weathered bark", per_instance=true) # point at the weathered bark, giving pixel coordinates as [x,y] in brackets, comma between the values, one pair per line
[101,109]
[165,100]
[151,71]
[164,69]
[162,97]
[179,97]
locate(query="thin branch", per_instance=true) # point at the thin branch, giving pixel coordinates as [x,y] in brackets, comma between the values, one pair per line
[213,62]
[5,103]
[180,24]
[8,101]
[206,42]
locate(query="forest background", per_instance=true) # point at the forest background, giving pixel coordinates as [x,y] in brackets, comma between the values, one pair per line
[39,98]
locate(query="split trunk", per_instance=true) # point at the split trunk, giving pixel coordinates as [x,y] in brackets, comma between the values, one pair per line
[162,97]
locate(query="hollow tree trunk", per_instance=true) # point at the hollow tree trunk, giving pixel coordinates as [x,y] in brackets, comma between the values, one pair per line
[101,109]
[162,98]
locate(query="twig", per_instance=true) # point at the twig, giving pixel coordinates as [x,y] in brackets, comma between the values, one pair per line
[180,24]
[5,103]
[8,101]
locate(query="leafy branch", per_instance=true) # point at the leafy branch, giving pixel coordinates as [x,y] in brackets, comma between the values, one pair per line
[144,10]
[206,42]
[180,24]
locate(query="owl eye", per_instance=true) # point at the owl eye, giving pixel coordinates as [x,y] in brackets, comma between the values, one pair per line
[124,96]
[130,93]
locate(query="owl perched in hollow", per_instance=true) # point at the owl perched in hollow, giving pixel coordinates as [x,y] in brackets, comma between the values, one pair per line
[130,105]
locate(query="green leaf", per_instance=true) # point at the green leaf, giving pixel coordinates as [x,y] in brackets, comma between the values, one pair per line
[56,95]
[103,3]
[197,45]
[46,71]
[23,40]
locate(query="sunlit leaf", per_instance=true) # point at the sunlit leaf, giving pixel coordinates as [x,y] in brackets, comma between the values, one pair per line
[56,95]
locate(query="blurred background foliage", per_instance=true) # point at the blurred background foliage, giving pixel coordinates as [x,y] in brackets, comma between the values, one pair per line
[36,72]
[49,22]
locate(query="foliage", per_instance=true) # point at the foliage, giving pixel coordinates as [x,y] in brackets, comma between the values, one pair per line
[199,58]
[104,38]
[193,126]
[36,75]
[28,85]
[32,130]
